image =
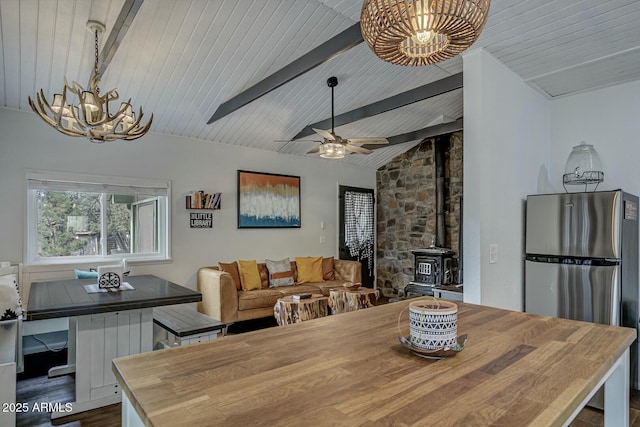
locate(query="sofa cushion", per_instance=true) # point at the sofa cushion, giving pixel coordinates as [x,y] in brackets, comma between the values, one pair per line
[264,275]
[249,275]
[232,269]
[309,269]
[327,269]
[258,298]
[10,302]
[280,273]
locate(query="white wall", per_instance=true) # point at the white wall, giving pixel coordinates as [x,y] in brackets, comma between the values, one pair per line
[28,143]
[609,119]
[506,147]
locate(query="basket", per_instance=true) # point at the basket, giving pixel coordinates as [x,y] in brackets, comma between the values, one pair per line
[433,324]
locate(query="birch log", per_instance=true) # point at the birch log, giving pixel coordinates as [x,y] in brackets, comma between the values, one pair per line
[288,311]
[343,300]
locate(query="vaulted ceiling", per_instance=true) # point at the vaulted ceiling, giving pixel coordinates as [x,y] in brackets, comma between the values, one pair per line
[182,59]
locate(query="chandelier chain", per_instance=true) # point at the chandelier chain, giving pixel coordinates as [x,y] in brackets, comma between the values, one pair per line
[95,62]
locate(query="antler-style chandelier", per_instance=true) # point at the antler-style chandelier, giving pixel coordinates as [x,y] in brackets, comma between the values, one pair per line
[421,32]
[89,115]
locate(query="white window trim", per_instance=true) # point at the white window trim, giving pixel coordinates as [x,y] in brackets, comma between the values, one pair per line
[164,222]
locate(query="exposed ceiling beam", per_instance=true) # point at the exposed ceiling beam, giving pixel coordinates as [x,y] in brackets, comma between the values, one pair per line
[120,28]
[424,133]
[344,41]
[400,100]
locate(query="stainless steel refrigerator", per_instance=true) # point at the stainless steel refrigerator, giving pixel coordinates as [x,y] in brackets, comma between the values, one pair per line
[582,259]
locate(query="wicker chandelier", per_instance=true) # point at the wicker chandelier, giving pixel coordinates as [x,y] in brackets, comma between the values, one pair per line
[88,114]
[421,32]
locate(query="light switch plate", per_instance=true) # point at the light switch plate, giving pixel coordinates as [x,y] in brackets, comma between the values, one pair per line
[493,253]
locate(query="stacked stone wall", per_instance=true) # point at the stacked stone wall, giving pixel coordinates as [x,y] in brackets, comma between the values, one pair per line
[406,209]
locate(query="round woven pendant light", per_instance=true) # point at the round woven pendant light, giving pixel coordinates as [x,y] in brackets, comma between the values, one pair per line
[421,32]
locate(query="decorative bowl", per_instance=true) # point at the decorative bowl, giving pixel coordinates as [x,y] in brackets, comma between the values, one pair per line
[352,286]
[440,353]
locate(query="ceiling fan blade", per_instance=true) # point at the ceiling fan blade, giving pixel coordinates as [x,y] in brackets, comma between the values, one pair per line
[373,140]
[297,140]
[314,150]
[357,149]
[324,133]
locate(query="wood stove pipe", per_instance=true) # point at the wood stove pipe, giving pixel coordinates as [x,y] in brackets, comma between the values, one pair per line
[440,147]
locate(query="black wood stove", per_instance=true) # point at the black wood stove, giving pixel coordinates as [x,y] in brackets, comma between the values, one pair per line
[433,266]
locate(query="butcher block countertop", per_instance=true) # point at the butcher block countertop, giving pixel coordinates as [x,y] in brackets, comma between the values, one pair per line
[517,369]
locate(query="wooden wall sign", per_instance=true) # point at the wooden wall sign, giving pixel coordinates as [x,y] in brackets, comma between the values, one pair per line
[201,219]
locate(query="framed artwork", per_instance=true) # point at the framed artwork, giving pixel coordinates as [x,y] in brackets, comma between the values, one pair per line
[267,200]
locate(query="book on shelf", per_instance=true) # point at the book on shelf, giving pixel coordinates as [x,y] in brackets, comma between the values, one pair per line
[215,201]
[202,200]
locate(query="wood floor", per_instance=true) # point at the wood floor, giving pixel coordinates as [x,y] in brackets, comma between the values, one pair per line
[34,387]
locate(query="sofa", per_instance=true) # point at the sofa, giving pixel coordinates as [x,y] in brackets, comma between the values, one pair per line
[224,299]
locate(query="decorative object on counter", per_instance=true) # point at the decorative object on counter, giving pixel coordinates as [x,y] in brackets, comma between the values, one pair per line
[110,276]
[89,115]
[202,200]
[440,353]
[583,167]
[433,324]
[267,200]
[433,328]
[421,32]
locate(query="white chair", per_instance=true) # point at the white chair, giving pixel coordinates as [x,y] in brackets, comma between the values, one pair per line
[11,329]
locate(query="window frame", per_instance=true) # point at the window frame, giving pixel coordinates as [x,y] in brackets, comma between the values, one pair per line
[110,184]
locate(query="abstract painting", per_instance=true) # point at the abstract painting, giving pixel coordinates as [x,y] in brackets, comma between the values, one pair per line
[267,200]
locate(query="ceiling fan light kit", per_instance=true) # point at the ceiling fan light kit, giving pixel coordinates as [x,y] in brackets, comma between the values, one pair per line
[332,150]
[88,115]
[421,32]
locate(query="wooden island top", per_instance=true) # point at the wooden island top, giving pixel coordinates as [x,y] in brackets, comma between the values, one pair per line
[517,369]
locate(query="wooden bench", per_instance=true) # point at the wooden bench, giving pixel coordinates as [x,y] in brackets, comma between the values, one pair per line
[183,325]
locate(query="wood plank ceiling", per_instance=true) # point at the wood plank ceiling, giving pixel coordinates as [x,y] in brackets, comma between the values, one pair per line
[182,59]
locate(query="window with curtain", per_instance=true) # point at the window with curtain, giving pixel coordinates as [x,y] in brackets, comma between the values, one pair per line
[76,218]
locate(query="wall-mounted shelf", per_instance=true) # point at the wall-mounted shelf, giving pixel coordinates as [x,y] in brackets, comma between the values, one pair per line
[199,200]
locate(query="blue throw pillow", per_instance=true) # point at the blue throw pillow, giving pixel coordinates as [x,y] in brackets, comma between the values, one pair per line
[80,274]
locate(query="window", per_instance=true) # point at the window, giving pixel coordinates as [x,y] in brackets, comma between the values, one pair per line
[76,218]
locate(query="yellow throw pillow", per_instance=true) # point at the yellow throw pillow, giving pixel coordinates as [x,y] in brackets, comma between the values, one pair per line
[249,275]
[309,269]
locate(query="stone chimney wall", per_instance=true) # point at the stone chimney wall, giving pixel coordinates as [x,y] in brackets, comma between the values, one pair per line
[406,209]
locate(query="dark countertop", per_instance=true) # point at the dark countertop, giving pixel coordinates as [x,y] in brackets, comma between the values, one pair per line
[450,288]
[64,298]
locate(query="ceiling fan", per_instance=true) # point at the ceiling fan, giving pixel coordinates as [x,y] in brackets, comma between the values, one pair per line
[334,146]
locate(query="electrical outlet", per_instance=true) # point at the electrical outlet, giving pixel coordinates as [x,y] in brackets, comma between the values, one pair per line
[323,239]
[493,253]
